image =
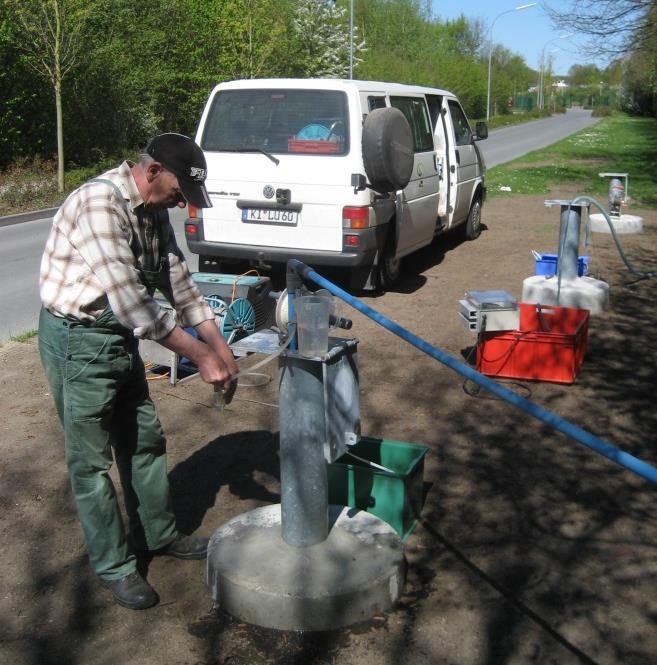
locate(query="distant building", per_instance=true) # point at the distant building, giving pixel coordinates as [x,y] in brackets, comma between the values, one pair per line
[557,85]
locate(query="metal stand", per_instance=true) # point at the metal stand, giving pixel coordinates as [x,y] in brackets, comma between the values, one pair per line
[304,564]
[569,226]
[568,290]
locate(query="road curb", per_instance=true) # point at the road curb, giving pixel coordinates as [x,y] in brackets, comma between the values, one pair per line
[27,216]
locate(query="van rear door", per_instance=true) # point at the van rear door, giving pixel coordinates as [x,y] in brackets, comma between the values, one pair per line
[276,164]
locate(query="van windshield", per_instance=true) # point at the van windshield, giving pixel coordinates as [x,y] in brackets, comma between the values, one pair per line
[295,122]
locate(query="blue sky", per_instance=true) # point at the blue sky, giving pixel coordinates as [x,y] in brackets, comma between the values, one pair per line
[524,32]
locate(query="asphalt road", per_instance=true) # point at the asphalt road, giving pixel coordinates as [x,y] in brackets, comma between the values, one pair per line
[503,145]
[21,247]
[21,244]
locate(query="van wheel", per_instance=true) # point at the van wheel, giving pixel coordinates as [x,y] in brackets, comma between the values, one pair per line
[389,269]
[472,228]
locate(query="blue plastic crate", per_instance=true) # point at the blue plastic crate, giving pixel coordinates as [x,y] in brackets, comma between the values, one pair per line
[547,265]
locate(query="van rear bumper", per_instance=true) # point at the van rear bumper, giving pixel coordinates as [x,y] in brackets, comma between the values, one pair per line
[370,242]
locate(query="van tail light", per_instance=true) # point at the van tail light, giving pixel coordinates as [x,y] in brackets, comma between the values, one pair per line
[194,222]
[351,240]
[191,230]
[355,217]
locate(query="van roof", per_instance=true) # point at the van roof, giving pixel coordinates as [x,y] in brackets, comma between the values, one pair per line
[335,84]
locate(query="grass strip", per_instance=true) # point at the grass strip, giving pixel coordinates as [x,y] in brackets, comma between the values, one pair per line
[618,143]
[24,337]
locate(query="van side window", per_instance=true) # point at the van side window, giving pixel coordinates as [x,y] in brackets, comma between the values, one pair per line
[435,103]
[415,110]
[462,131]
[376,103]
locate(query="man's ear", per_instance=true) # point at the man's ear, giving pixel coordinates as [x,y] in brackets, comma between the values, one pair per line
[153,170]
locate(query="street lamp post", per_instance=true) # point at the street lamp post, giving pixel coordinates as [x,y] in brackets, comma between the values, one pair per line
[541,72]
[351,39]
[541,77]
[490,49]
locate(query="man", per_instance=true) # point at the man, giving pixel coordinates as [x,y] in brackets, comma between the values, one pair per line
[111,245]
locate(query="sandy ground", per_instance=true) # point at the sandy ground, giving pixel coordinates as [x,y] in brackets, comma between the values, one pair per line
[532,548]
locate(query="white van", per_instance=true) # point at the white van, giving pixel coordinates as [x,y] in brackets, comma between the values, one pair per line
[341,173]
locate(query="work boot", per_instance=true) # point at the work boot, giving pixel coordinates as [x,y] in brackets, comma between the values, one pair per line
[187,547]
[132,591]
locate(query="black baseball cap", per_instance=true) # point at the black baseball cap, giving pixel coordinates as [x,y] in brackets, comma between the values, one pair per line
[180,155]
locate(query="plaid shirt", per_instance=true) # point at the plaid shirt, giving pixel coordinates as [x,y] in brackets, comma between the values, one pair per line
[90,261]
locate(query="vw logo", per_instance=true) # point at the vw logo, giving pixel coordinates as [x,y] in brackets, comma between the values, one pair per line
[268,191]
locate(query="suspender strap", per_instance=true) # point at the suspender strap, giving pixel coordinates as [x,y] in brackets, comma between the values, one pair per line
[163,229]
[117,191]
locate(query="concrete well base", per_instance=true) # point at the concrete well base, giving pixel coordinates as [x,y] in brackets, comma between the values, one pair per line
[254,575]
[622,224]
[581,292]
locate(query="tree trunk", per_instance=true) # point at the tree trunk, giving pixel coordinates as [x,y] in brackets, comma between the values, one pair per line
[60,137]
[58,98]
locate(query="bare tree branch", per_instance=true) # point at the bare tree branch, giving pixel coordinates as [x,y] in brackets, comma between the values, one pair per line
[49,34]
[614,27]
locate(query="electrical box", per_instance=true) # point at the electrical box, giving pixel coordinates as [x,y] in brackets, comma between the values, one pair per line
[489,310]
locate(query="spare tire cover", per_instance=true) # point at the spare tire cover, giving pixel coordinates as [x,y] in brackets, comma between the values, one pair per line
[387,149]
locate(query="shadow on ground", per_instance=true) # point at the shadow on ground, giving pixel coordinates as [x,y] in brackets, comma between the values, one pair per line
[532,549]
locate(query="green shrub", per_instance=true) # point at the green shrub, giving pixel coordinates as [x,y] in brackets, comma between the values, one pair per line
[32,185]
[602,111]
[516,118]
[28,185]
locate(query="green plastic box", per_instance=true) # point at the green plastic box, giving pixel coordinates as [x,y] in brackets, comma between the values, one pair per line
[395,493]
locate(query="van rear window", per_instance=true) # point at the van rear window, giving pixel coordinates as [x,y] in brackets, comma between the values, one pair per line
[295,122]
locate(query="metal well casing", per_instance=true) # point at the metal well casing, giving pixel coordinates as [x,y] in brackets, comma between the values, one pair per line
[319,417]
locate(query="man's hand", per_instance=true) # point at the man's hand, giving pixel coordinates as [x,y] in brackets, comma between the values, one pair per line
[211,355]
[211,367]
[212,337]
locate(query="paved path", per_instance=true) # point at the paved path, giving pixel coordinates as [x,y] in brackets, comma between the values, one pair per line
[21,247]
[503,145]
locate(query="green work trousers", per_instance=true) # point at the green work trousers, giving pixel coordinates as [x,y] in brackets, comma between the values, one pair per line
[100,390]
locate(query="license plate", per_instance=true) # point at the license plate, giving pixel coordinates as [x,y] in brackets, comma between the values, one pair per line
[269,216]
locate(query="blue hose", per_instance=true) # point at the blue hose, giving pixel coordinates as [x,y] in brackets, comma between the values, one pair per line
[604,448]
